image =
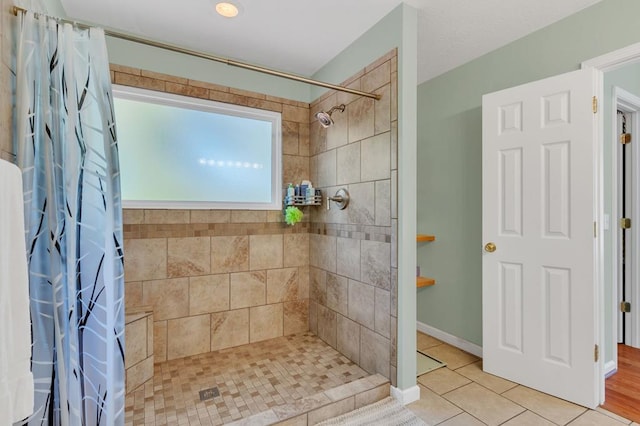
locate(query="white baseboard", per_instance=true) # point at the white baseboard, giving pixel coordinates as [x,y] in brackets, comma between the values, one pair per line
[459,343]
[610,368]
[406,396]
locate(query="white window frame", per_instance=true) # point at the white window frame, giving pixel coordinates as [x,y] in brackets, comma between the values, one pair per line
[163,98]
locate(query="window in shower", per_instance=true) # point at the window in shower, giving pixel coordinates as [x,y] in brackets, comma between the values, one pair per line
[187,153]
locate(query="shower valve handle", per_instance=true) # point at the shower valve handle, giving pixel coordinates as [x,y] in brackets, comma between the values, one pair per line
[341,199]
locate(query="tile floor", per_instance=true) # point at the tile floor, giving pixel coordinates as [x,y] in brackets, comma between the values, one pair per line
[462,394]
[250,379]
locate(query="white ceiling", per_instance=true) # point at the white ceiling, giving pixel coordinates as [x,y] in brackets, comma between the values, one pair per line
[301,36]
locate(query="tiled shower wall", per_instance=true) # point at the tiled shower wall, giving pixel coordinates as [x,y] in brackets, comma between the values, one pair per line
[353,252]
[220,278]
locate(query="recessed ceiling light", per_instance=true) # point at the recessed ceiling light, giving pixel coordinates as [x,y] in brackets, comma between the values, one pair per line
[228,10]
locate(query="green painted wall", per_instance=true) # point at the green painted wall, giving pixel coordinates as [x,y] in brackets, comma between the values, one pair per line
[450,147]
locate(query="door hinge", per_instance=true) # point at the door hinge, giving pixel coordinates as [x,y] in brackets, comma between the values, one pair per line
[625,307]
[625,138]
[596,353]
[594,104]
[625,223]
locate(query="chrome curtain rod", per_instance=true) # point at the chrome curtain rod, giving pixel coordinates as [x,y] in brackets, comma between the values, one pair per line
[231,62]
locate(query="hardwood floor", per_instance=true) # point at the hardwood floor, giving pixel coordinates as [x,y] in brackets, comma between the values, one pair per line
[622,390]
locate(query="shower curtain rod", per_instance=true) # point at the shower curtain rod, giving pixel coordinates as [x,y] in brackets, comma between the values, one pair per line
[214,58]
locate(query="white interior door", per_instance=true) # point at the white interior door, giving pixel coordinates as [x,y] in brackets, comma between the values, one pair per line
[539,211]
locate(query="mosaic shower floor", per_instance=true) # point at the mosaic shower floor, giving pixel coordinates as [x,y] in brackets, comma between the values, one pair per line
[249,379]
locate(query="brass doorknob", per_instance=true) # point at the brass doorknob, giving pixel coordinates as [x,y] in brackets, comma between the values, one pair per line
[490,247]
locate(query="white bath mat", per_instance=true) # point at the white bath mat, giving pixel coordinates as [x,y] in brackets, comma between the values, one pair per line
[386,412]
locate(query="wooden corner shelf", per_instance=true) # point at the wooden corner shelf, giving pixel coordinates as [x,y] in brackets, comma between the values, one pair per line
[424,237]
[424,281]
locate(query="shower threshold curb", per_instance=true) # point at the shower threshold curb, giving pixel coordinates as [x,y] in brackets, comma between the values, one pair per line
[324,405]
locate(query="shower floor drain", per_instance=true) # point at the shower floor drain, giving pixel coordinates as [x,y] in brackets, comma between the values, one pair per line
[209,393]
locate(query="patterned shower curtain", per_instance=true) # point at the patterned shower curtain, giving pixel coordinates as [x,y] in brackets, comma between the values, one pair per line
[66,147]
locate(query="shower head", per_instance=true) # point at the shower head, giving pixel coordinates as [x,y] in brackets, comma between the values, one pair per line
[324,118]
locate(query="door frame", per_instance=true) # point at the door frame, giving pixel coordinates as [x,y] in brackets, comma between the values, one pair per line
[607,62]
[630,104]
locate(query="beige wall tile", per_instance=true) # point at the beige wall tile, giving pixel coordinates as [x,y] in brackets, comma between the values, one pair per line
[318,285]
[394,194]
[248,216]
[394,145]
[326,169]
[146,259]
[263,104]
[374,352]
[169,298]
[188,256]
[348,338]
[290,138]
[317,138]
[138,81]
[185,90]
[382,110]
[377,77]
[160,341]
[229,254]
[132,294]
[304,143]
[372,396]
[332,410]
[296,250]
[322,252]
[296,317]
[361,119]
[229,329]
[132,216]
[295,168]
[361,303]
[375,155]
[313,317]
[208,294]
[348,164]
[166,216]
[382,312]
[188,336]
[361,208]
[138,374]
[348,257]
[295,113]
[135,342]
[375,263]
[383,203]
[327,325]
[150,335]
[265,322]
[210,216]
[165,77]
[303,282]
[337,293]
[248,289]
[394,96]
[282,285]
[337,134]
[265,251]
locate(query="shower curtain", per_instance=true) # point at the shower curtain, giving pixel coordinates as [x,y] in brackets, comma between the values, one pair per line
[66,148]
